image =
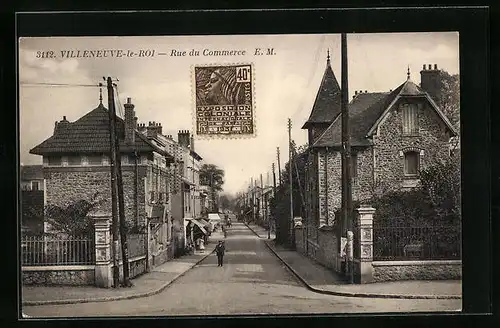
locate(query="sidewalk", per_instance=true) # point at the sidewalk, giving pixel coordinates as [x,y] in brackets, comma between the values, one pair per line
[260,231]
[322,280]
[147,284]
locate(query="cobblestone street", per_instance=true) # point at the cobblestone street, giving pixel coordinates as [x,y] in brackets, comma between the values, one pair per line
[252,280]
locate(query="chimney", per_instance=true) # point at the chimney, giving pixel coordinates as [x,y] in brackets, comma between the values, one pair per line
[130,122]
[183,138]
[431,82]
[191,143]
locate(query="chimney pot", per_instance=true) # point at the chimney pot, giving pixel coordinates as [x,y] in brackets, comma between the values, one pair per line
[430,66]
[423,68]
[435,66]
[355,92]
[129,100]
[366,91]
[64,118]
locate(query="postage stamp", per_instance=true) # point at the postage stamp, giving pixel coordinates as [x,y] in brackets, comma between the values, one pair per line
[224,100]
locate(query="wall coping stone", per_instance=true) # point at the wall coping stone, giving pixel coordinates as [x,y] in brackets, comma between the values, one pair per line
[421,263]
[58,268]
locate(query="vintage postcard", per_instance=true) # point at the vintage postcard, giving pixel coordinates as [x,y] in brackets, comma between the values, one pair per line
[231,178]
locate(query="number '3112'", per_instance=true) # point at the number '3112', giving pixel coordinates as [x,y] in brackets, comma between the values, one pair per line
[45,54]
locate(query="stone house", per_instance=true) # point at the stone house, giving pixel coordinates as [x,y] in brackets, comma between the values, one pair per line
[76,166]
[393,135]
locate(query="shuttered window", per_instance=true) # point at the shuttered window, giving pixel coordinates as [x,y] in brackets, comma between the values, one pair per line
[411,163]
[410,119]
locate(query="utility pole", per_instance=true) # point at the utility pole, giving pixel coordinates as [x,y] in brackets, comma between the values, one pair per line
[121,206]
[114,186]
[346,163]
[290,159]
[274,196]
[262,208]
[279,165]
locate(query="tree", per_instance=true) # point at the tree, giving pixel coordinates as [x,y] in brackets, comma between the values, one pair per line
[73,219]
[450,98]
[212,176]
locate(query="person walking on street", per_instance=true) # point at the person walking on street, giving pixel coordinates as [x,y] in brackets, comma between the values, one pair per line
[219,251]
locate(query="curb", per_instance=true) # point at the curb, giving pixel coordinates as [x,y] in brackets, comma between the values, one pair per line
[364,295]
[114,298]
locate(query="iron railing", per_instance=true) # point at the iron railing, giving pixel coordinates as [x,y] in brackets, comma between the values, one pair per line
[392,242]
[41,250]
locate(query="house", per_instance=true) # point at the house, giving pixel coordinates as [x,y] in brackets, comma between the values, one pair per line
[31,177]
[32,198]
[76,166]
[184,196]
[393,135]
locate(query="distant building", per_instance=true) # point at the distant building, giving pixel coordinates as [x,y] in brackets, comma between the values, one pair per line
[31,177]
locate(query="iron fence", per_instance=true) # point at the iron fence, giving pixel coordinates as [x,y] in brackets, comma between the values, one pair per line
[57,250]
[393,242]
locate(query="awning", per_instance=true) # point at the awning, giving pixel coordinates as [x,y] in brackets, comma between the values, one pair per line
[200,225]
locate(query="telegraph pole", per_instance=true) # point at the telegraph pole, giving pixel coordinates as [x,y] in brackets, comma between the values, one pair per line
[290,159]
[121,206]
[346,163]
[279,165]
[274,196]
[114,186]
[261,200]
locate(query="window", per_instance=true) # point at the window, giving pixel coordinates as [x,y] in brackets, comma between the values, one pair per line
[411,163]
[35,185]
[95,160]
[54,160]
[131,159]
[74,160]
[410,119]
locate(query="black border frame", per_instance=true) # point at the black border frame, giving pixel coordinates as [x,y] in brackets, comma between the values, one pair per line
[471,23]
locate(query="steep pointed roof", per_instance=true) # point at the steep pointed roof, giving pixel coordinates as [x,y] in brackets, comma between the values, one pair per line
[327,103]
[366,111]
[90,134]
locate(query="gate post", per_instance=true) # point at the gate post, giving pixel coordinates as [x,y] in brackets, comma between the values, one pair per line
[103,265]
[363,271]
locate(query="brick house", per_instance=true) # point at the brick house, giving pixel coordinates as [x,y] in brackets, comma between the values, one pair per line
[393,135]
[76,165]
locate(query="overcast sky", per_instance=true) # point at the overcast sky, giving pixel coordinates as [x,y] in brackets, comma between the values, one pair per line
[160,87]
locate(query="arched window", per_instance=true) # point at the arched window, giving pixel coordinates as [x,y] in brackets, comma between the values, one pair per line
[412,162]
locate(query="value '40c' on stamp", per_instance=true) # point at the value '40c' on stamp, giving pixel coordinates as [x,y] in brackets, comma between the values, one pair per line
[225,104]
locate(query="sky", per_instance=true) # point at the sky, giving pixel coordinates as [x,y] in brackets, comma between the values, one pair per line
[161,88]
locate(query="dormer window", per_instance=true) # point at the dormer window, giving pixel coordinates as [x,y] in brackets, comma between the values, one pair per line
[410,119]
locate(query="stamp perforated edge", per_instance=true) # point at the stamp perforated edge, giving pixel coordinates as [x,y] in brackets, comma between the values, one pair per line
[193,105]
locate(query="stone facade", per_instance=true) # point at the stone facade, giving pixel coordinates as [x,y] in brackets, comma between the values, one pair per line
[425,270]
[59,277]
[65,185]
[432,142]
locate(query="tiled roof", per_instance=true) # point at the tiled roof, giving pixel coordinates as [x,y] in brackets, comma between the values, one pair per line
[327,103]
[31,172]
[364,111]
[90,134]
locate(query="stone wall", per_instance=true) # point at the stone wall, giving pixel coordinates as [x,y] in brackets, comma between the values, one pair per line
[324,251]
[163,256]
[65,185]
[136,267]
[390,143]
[416,270]
[55,276]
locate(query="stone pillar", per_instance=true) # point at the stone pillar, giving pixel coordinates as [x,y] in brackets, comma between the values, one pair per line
[363,265]
[103,263]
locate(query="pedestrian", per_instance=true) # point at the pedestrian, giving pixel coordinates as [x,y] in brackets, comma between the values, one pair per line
[224,229]
[219,251]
